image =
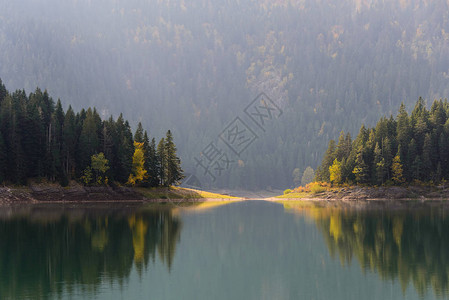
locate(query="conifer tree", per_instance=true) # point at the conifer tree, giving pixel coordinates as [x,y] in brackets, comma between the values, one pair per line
[162,162]
[426,155]
[361,170]
[329,157]
[57,144]
[174,170]
[139,134]
[125,150]
[3,159]
[89,140]
[3,91]
[70,141]
[379,166]
[153,164]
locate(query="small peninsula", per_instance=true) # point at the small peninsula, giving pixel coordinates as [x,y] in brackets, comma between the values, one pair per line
[406,157]
[49,154]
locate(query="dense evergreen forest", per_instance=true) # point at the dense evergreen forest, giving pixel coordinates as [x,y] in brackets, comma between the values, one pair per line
[38,139]
[407,149]
[193,66]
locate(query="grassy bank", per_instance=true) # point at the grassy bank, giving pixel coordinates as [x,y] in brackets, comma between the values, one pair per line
[179,193]
[326,192]
[75,192]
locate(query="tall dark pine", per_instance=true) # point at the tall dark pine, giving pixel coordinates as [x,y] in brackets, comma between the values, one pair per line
[161,162]
[329,156]
[57,145]
[3,159]
[153,164]
[14,122]
[3,91]
[174,170]
[89,140]
[125,150]
[139,134]
[69,146]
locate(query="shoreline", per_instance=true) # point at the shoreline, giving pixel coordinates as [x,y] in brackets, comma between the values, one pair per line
[78,194]
[382,193]
[351,196]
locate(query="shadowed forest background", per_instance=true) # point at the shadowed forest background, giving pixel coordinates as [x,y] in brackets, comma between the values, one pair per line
[192,66]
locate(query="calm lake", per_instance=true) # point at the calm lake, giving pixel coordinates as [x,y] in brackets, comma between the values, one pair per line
[243,250]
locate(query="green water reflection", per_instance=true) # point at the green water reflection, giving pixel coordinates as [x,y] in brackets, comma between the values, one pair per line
[247,250]
[411,245]
[45,250]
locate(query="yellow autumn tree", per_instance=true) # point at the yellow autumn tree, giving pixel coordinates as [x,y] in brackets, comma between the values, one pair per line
[396,169]
[335,172]
[139,229]
[139,174]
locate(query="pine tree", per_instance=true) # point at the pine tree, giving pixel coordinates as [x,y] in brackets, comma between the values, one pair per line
[147,154]
[109,141]
[426,157]
[57,144]
[69,146]
[162,162]
[33,143]
[379,166]
[3,91]
[361,170]
[139,134]
[153,164]
[3,159]
[89,140]
[341,150]
[417,168]
[413,169]
[13,121]
[174,171]
[443,147]
[329,157]
[125,150]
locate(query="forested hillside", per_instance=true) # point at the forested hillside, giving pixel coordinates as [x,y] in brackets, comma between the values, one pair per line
[194,66]
[39,140]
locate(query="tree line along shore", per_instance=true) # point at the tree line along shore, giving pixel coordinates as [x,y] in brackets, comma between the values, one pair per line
[39,141]
[408,149]
[406,156]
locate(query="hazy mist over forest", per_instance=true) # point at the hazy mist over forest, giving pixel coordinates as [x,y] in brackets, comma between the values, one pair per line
[194,66]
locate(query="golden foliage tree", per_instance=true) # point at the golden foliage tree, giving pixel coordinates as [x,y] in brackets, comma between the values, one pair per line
[335,172]
[396,169]
[139,174]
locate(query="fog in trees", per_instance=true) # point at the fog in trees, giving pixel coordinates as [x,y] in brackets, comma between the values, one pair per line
[193,66]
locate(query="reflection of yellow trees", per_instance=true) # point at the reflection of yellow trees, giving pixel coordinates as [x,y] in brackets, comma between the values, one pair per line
[398,227]
[97,230]
[92,248]
[139,229]
[411,246]
[335,226]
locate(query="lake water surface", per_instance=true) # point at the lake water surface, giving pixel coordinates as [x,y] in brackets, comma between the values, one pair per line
[243,250]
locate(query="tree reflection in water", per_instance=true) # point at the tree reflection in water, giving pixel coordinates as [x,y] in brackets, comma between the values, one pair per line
[411,245]
[44,252]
